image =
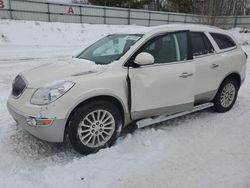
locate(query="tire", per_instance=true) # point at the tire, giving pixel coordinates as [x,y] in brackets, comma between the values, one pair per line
[101,134]
[226,95]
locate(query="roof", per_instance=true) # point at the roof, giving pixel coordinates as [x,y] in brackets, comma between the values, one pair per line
[174,27]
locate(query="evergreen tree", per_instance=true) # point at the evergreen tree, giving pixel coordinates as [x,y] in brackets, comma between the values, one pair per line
[112,3]
[121,3]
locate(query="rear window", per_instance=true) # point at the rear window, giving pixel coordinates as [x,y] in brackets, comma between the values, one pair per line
[201,44]
[223,41]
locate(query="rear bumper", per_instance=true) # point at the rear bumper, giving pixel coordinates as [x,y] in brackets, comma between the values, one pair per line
[52,133]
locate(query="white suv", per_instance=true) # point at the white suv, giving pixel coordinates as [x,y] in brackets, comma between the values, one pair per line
[123,78]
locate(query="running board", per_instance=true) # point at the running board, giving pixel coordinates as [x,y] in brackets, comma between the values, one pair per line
[158,119]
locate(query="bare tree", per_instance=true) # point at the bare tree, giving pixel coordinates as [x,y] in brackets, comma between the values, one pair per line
[220,7]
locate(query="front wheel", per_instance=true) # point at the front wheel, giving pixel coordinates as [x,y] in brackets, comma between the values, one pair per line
[226,95]
[94,125]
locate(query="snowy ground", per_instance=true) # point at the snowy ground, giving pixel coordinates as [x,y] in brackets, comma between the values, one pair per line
[202,150]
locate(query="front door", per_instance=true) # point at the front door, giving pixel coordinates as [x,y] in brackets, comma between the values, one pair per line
[167,86]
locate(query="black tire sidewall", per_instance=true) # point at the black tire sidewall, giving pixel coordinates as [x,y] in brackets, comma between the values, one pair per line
[217,103]
[79,115]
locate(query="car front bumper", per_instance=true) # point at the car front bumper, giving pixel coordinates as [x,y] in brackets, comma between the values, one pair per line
[52,133]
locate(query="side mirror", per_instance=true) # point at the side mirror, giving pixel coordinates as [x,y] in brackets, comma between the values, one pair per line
[144,58]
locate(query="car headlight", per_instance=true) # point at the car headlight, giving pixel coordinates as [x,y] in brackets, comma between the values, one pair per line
[50,93]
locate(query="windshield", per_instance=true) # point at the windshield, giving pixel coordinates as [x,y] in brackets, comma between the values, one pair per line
[109,48]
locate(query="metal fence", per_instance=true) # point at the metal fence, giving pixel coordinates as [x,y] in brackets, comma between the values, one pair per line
[75,13]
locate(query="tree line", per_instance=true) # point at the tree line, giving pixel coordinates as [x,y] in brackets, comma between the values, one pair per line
[200,7]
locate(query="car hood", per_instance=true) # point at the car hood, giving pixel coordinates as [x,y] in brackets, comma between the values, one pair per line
[66,69]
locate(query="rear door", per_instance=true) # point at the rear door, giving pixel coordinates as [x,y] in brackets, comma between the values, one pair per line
[207,65]
[167,86]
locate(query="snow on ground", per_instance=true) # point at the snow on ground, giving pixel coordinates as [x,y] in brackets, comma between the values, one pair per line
[201,150]
[242,38]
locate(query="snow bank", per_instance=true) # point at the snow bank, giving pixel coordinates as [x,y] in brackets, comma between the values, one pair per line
[54,34]
[46,39]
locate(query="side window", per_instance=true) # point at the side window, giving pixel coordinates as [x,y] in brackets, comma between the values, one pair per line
[223,41]
[201,44]
[168,48]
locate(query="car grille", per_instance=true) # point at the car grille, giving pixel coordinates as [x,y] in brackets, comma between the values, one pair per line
[18,86]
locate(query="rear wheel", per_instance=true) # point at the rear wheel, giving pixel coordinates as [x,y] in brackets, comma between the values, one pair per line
[94,125]
[226,95]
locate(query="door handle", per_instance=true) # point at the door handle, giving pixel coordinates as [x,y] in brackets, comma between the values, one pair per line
[185,75]
[214,66]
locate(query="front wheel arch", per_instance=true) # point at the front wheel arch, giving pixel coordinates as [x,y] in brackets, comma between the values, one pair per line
[110,99]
